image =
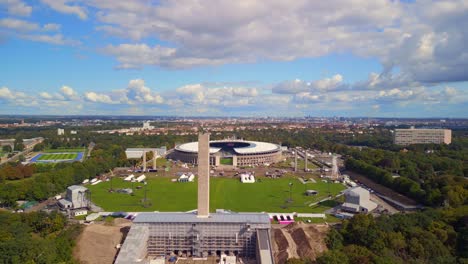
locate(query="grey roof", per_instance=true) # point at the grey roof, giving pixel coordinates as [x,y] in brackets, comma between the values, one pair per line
[192,218]
[64,202]
[357,190]
[77,187]
[263,238]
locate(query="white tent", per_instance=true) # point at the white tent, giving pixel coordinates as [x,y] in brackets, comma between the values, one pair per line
[141,178]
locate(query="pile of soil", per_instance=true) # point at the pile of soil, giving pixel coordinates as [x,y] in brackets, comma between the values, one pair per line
[306,241]
[97,243]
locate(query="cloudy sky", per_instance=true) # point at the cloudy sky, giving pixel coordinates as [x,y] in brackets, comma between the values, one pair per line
[235,58]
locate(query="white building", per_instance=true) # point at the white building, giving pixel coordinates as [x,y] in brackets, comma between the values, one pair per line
[357,200]
[60,131]
[80,212]
[77,197]
[147,126]
[422,136]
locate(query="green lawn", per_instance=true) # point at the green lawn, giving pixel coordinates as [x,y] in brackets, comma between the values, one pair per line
[64,150]
[58,156]
[226,161]
[269,195]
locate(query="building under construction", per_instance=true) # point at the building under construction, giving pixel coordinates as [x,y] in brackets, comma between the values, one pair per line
[198,234]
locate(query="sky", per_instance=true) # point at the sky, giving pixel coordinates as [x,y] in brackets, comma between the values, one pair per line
[251,58]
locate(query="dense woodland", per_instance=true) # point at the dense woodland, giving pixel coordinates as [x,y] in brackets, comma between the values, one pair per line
[431,236]
[34,238]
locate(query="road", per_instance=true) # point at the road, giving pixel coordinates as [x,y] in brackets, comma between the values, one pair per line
[16,156]
[90,148]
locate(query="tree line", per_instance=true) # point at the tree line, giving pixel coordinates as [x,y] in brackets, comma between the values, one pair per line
[36,237]
[431,236]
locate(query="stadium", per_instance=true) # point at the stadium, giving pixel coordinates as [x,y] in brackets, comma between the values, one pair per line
[231,152]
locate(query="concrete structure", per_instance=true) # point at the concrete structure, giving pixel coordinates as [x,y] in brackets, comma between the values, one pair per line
[138,153]
[357,200]
[29,143]
[422,136]
[60,131]
[8,142]
[295,161]
[231,152]
[77,197]
[305,161]
[203,174]
[335,174]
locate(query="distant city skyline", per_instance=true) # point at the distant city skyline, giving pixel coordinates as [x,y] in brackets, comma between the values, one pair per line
[234,58]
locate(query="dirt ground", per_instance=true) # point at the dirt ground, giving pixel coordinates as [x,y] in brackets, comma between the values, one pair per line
[298,240]
[96,244]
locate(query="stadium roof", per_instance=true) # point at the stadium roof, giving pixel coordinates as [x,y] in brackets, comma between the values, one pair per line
[192,218]
[252,148]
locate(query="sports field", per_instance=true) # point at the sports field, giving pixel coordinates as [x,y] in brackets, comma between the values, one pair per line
[58,157]
[269,195]
[62,150]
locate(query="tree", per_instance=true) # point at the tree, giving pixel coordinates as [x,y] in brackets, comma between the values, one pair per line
[19,145]
[7,148]
[39,147]
[333,257]
[334,239]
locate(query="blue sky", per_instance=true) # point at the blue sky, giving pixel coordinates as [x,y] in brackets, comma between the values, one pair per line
[228,58]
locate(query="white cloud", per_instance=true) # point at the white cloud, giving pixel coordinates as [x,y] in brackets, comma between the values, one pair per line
[306,97]
[57,39]
[18,24]
[17,7]
[333,83]
[425,40]
[69,93]
[63,7]
[98,98]
[51,27]
[137,91]
[328,83]
[46,95]
[5,93]
[199,94]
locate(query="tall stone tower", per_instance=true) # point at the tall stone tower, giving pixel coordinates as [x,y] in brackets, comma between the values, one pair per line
[203,175]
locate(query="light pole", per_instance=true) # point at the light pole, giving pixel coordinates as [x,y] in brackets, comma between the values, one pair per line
[144,203]
[290,192]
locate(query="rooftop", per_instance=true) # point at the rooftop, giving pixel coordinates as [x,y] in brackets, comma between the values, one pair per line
[77,188]
[191,217]
[253,147]
[357,190]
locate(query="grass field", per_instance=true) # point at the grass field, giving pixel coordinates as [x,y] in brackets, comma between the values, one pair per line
[58,156]
[64,150]
[269,195]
